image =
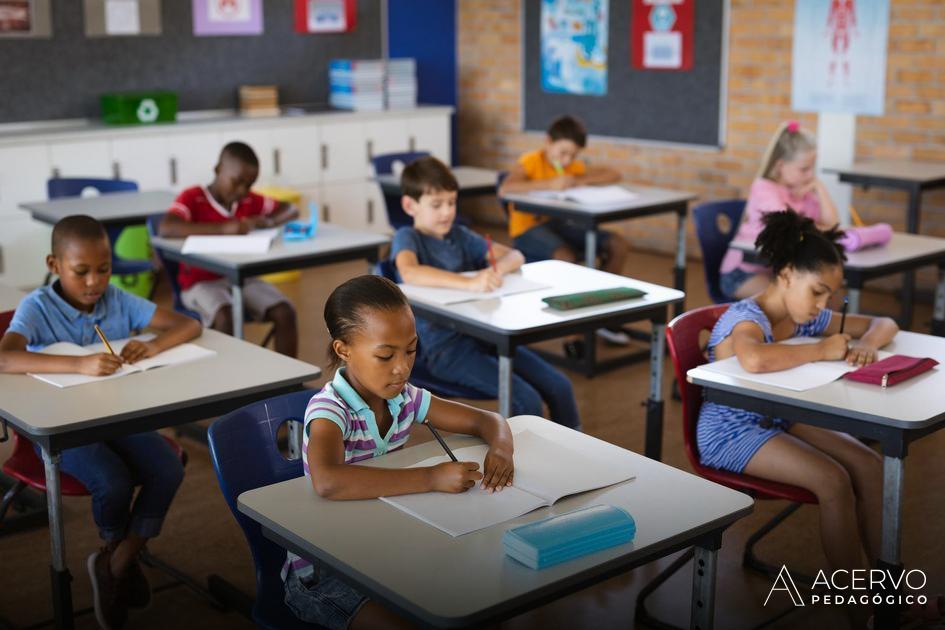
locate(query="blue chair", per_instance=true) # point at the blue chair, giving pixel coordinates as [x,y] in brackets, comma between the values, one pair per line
[171,267]
[59,187]
[384,165]
[245,455]
[499,180]
[714,239]
[421,375]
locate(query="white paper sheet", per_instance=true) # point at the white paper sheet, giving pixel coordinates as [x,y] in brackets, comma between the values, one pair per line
[511,284]
[590,195]
[256,242]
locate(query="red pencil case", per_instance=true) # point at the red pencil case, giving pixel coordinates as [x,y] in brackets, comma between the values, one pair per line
[892,370]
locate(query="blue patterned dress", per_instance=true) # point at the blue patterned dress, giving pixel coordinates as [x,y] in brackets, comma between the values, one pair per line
[727,436]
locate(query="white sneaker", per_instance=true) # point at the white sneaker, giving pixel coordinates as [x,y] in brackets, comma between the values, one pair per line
[614,337]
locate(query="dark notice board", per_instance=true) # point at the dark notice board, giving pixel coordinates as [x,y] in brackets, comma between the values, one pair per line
[62,77]
[665,106]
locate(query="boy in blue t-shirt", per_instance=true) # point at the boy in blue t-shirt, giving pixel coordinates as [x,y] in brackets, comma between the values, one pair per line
[69,310]
[434,253]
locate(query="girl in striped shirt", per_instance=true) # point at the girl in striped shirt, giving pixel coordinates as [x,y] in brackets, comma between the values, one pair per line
[844,474]
[367,410]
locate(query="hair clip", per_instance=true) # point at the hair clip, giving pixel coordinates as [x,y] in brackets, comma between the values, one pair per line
[802,237]
[793,126]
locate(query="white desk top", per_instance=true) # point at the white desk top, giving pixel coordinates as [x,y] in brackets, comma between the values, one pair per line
[646,198]
[123,206]
[912,405]
[901,247]
[895,169]
[329,239]
[525,311]
[238,367]
[444,578]
[10,297]
[466,176]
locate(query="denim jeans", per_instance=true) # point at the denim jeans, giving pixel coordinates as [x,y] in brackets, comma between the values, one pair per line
[472,364]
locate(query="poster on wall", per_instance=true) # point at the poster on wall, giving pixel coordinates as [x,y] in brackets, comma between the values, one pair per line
[574,46]
[228,17]
[122,18]
[839,60]
[25,18]
[661,34]
[325,16]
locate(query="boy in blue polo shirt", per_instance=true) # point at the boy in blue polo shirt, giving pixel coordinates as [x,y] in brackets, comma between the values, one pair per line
[69,310]
[435,252]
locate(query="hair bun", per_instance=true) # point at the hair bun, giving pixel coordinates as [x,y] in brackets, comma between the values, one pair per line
[793,126]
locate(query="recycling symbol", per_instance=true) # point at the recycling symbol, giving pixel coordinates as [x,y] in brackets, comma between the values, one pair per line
[148,110]
[662,17]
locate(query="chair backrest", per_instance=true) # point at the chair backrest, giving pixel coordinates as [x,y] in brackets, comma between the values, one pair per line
[384,165]
[171,267]
[5,318]
[73,186]
[499,180]
[245,455]
[714,238]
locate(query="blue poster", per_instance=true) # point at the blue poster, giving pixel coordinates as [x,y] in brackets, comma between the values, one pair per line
[574,46]
[839,62]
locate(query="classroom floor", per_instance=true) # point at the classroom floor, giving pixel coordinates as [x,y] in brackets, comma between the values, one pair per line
[201,537]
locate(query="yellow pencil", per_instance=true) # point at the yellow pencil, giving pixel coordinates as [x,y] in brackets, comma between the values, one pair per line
[101,336]
[857,221]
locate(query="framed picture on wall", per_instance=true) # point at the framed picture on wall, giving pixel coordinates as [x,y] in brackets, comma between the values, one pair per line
[325,16]
[122,18]
[25,18]
[228,17]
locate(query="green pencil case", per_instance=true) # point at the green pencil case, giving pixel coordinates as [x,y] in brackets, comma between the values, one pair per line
[592,298]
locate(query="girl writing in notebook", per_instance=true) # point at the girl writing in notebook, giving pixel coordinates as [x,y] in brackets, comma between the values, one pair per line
[786,179]
[369,409]
[844,474]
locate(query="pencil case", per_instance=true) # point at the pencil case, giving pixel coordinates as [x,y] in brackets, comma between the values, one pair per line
[564,537]
[891,370]
[302,230]
[591,298]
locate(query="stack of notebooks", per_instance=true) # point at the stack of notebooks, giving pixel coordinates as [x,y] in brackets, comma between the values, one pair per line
[259,100]
[356,85]
[401,83]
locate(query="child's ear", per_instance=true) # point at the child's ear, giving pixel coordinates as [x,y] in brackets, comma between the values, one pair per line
[409,204]
[341,349]
[216,169]
[52,264]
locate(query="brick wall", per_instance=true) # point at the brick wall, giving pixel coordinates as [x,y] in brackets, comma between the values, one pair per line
[759,97]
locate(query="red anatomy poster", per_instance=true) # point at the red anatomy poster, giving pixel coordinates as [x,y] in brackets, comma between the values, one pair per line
[661,34]
[325,16]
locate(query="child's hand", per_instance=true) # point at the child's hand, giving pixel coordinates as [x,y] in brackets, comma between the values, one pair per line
[834,347]
[136,350]
[498,467]
[861,354]
[239,226]
[561,182]
[455,476]
[101,364]
[485,280]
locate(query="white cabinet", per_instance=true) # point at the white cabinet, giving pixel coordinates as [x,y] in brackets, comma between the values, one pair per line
[23,173]
[145,160]
[376,209]
[343,152]
[90,158]
[344,204]
[430,133]
[193,157]
[24,244]
[296,155]
[385,136]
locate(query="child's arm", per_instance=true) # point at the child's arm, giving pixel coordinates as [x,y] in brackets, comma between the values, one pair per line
[871,334]
[173,226]
[283,213]
[412,272]
[828,211]
[175,330]
[16,359]
[754,355]
[507,259]
[490,427]
[332,478]
[598,176]
[519,182]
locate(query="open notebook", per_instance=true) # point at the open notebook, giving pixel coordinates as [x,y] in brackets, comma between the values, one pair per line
[545,471]
[256,242]
[512,283]
[183,353]
[590,195]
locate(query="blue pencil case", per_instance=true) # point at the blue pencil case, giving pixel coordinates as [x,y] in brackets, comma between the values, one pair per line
[300,230]
[568,536]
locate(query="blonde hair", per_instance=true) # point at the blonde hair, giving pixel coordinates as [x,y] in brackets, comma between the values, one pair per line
[787,143]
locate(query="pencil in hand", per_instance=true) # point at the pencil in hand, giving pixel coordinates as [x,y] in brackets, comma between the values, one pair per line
[843,313]
[101,336]
[440,439]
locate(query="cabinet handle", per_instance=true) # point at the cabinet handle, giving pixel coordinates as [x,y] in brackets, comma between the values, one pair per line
[326,213]
[413,144]
[370,150]
[56,173]
[173,165]
[116,170]
[370,211]
[324,157]
[275,161]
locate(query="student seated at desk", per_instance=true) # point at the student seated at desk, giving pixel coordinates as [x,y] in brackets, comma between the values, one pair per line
[69,310]
[786,179]
[434,253]
[844,474]
[228,206]
[367,410]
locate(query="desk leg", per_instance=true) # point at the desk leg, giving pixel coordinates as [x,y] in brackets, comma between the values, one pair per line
[679,273]
[938,313]
[702,613]
[58,572]
[653,447]
[908,279]
[853,296]
[889,556]
[590,248]
[237,290]
[505,386]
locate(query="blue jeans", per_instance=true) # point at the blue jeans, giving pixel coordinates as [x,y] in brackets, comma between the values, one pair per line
[323,599]
[467,362]
[111,470]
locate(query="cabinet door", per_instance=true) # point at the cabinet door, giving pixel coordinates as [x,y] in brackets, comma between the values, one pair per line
[430,133]
[385,136]
[344,204]
[89,158]
[261,142]
[145,160]
[376,209]
[343,154]
[296,155]
[193,157]
[24,244]
[23,173]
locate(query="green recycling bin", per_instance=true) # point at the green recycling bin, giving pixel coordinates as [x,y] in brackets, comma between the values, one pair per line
[139,108]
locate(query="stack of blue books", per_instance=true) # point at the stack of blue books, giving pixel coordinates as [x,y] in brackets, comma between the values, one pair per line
[401,83]
[568,536]
[356,84]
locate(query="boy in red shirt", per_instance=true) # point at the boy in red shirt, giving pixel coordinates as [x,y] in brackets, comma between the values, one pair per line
[227,206]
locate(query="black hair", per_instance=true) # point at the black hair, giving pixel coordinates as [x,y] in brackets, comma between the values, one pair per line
[242,152]
[345,308]
[78,227]
[568,128]
[426,175]
[791,240]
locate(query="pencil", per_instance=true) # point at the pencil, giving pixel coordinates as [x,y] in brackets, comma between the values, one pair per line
[492,262]
[558,168]
[857,220]
[101,336]
[843,313]
[439,439]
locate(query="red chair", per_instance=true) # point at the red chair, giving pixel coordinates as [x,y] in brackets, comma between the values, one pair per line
[682,337]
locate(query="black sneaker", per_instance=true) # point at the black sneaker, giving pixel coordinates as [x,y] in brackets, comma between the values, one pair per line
[133,588]
[109,611]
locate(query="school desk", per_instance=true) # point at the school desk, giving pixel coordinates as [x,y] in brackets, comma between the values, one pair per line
[472,180]
[894,417]
[57,419]
[331,244]
[517,320]
[436,580]
[10,297]
[904,252]
[113,210]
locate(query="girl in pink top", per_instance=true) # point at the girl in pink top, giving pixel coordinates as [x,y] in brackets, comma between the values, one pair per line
[786,179]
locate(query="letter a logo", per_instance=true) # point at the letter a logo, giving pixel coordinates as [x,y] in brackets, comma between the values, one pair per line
[784,582]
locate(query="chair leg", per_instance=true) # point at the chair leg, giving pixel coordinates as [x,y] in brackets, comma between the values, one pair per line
[179,576]
[751,561]
[9,496]
[271,335]
[641,615]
